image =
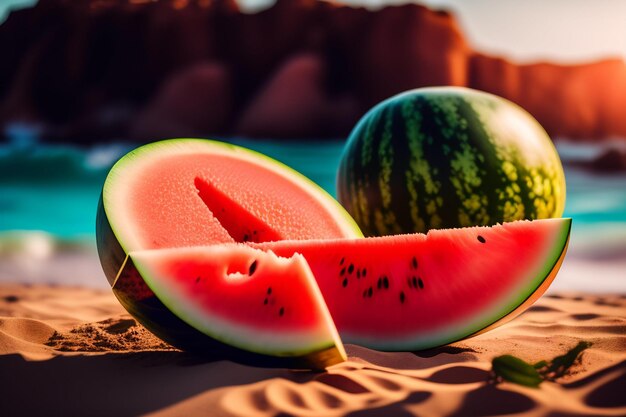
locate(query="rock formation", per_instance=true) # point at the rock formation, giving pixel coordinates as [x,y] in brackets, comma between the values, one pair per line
[97,69]
[190,103]
[294,104]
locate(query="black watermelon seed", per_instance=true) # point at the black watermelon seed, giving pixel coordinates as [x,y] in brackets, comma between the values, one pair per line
[481,239]
[358,273]
[343,271]
[386,282]
[370,291]
[265,301]
[342,261]
[380,283]
[364,272]
[269,290]
[197,280]
[252,268]
[350,269]
[11,298]
[246,237]
[414,282]
[281,312]
[420,283]
[402,297]
[345,282]
[414,263]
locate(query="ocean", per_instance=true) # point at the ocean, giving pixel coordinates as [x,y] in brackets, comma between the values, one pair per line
[49,196]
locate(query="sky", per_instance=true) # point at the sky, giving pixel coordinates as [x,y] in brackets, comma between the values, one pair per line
[567,31]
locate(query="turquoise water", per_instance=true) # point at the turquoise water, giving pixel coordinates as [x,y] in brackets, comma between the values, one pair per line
[56,188]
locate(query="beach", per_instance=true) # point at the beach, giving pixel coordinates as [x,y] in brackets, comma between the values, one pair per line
[68,348]
[84,83]
[72,351]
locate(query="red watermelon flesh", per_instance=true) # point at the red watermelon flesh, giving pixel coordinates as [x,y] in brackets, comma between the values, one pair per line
[190,192]
[411,292]
[246,298]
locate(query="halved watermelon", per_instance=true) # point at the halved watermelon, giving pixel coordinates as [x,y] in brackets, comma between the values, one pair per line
[413,292]
[189,192]
[248,304]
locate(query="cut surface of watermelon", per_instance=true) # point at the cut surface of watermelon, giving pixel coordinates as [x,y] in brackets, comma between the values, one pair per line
[246,298]
[412,292]
[189,192]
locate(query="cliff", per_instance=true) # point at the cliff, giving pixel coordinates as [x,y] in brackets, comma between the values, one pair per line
[93,70]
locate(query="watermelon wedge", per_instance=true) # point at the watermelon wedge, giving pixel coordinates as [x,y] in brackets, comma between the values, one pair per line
[247,304]
[417,291]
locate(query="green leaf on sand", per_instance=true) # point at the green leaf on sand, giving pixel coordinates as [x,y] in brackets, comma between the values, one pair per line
[513,369]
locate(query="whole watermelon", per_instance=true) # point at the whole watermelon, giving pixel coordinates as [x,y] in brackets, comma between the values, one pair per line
[446,157]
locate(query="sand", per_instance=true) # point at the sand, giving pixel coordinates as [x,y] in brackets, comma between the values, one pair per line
[75,352]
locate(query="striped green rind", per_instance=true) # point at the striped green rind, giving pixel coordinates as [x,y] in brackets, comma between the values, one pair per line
[448,157]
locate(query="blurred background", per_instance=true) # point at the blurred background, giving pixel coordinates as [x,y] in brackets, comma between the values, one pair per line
[84,81]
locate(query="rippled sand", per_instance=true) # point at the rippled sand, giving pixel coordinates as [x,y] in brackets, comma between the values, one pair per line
[72,351]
